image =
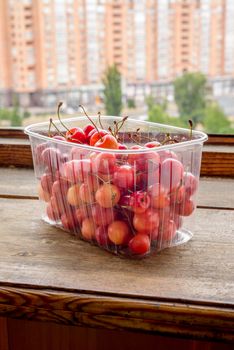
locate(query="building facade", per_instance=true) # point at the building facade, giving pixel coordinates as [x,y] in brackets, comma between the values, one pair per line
[63,47]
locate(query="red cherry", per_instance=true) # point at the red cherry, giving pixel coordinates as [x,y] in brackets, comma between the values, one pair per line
[139,244]
[152,144]
[47,181]
[77,170]
[178,195]
[185,208]
[107,195]
[102,216]
[118,232]
[167,154]
[96,136]
[146,222]
[159,196]
[124,176]
[76,135]
[101,236]
[52,215]
[51,158]
[107,141]
[87,130]
[190,183]
[70,221]
[168,231]
[121,146]
[104,163]
[139,202]
[171,174]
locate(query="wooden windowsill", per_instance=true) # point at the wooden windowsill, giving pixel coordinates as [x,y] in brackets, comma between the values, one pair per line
[48,275]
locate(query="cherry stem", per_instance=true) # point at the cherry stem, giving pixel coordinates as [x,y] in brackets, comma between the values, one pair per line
[191,128]
[49,131]
[91,121]
[120,122]
[99,119]
[55,126]
[58,113]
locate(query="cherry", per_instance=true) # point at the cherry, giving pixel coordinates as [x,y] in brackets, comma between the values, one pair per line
[51,158]
[52,215]
[167,154]
[43,195]
[118,232]
[104,163]
[139,244]
[86,195]
[102,216]
[185,208]
[168,231]
[96,136]
[178,195]
[87,130]
[47,181]
[122,146]
[171,174]
[146,222]
[124,176]
[82,212]
[152,144]
[73,196]
[159,196]
[77,170]
[76,135]
[107,195]
[101,236]
[69,221]
[107,141]
[190,183]
[88,229]
[139,202]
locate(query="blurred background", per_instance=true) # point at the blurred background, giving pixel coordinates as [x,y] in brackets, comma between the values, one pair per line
[165,61]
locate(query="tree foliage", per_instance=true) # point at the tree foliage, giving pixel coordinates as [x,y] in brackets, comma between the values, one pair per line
[112,91]
[215,120]
[15,116]
[190,96]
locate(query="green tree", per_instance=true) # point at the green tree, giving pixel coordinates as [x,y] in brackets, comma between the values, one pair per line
[190,96]
[157,114]
[112,91]
[215,120]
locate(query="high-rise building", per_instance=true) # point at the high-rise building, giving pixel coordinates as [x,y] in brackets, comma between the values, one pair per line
[51,47]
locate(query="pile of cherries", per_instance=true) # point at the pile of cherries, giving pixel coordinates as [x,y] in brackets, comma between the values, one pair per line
[130,203]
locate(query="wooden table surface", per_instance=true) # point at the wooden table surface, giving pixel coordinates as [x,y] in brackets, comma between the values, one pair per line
[46,274]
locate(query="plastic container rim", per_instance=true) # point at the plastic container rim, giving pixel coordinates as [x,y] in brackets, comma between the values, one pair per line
[203,137]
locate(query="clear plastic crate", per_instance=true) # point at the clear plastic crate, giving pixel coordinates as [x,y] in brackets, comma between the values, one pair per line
[130,202]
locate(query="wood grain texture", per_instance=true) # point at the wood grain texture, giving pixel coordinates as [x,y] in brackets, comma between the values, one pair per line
[36,254]
[15,154]
[215,162]
[47,275]
[162,318]
[213,192]
[28,335]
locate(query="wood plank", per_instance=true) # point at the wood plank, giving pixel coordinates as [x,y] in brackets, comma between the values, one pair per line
[48,275]
[28,335]
[37,254]
[213,192]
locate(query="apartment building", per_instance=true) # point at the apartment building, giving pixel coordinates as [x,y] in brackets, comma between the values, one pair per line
[63,47]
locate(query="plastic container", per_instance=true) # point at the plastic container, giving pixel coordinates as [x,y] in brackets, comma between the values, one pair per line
[130,202]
